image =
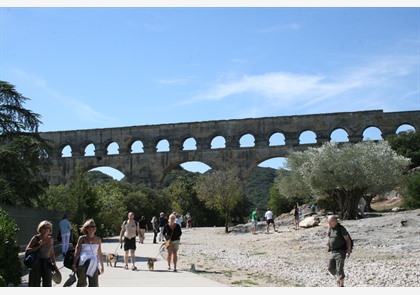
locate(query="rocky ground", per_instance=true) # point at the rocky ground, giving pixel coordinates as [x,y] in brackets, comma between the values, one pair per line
[386,253]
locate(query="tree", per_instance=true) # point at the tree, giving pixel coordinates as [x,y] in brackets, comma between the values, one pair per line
[220,190]
[23,154]
[407,144]
[346,172]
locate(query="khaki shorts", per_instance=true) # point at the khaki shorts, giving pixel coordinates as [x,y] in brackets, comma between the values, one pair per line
[175,245]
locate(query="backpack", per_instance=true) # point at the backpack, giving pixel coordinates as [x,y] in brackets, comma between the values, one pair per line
[351,240]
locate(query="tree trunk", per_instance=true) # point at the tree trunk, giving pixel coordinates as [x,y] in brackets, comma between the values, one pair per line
[348,201]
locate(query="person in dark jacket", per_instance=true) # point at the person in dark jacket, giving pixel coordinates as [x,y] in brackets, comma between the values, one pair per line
[172,231]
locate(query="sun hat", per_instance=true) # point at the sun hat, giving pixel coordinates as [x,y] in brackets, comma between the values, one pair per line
[56,277]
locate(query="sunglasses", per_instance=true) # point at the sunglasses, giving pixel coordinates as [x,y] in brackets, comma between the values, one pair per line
[93,226]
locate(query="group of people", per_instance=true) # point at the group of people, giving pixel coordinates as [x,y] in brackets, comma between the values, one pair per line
[167,228]
[88,262]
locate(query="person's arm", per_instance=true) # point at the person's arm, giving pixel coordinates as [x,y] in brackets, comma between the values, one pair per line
[122,232]
[100,256]
[77,252]
[348,245]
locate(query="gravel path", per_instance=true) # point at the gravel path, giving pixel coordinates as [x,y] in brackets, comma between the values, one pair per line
[386,253]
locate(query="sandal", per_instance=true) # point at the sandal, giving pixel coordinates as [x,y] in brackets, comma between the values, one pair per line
[175,270]
[134,268]
[126,267]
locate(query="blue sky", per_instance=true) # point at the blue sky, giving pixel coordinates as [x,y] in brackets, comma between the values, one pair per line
[98,67]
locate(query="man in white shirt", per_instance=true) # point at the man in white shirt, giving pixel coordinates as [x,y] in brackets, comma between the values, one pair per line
[269,219]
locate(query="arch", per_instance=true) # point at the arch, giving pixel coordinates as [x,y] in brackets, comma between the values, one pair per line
[218,142]
[114,173]
[307,136]
[372,133]
[339,135]
[162,146]
[137,147]
[405,128]
[276,138]
[113,149]
[89,150]
[276,163]
[195,166]
[189,144]
[247,140]
[66,151]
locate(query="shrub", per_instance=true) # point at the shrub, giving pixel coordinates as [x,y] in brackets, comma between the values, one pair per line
[10,265]
[411,191]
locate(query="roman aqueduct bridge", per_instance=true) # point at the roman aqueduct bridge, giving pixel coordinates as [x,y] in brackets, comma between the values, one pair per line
[151,166]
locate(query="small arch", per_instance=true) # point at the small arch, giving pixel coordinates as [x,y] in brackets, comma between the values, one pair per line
[162,146]
[405,128]
[137,147]
[276,138]
[190,144]
[339,135]
[307,137]
[218,142]
[113,149]
[372,133]
[247,140]
[66,152]
[90,150]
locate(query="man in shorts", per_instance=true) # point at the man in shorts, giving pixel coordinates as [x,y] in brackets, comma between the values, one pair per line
[269,219]
[129,230]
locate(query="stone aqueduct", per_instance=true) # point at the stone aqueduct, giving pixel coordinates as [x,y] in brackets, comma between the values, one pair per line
[151,166]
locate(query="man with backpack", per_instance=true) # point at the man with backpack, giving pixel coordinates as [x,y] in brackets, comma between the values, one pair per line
[340,246]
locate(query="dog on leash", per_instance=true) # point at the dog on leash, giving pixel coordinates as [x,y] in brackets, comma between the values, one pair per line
[111,258]
[151,263]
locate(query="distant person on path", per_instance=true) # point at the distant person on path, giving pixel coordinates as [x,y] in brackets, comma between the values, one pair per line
[162,222]
[179,220]
[172,231]
[361,206]
[129,230]
[45,264]
[88,256]
[155,226]
[254,220]
[296,216]
[142,229]
[339,246]
[189,220]
[65,231]
[270,220]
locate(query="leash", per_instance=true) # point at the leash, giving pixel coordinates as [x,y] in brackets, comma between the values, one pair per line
[116,249]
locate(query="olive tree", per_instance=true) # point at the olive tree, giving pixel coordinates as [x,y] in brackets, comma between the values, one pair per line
[221,190]
[347,171]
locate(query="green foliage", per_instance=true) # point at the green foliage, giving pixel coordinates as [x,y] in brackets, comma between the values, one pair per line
[97,177]
[10,265]
[23,154]
[221,191]
[407,144]
[257,187]
[346,172]
[411,191]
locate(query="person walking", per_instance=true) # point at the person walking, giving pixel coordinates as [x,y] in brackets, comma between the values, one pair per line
[44,266]
[155,226]
[129,230]
[254,221]
[88,260]
[65,232]
[162,222]
[172,231]
[339,246]
[269,218]
[142,229]
[296,216]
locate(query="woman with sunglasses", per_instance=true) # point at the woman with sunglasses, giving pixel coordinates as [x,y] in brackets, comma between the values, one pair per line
[45,264]
[88,260]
